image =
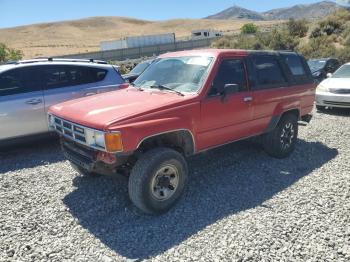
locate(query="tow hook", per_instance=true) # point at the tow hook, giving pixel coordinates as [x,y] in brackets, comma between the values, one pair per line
[106,158]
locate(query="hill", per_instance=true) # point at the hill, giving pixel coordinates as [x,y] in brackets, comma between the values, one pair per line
[85,35]
[237,12]
[311,11]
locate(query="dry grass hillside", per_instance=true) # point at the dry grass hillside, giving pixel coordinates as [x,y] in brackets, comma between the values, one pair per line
[80,36]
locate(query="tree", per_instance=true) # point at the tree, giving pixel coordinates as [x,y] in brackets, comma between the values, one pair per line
[9,54]
[249,28]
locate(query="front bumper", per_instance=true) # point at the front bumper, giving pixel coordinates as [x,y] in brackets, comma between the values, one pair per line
[86,158]
[332,100]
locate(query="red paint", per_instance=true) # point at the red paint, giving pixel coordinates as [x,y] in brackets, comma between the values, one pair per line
[139,114]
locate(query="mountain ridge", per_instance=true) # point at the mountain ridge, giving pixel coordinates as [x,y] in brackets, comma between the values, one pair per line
[305,11]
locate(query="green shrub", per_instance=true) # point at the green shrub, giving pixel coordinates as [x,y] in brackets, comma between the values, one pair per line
[297,28]
[318,47]
[249,28]
[9,54]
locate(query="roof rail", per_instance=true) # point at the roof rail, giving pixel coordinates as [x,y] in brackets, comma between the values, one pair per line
[52,59]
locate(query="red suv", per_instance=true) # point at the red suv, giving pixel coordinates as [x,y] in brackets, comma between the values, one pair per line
[183,104]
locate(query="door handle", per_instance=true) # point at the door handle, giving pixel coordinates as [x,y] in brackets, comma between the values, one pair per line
[90,94]
[248,99]
[34,101]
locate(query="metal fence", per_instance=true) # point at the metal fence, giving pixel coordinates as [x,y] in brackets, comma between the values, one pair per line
[146,51]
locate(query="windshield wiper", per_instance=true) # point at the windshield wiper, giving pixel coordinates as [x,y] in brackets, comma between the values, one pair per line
[137,87]
[162,87]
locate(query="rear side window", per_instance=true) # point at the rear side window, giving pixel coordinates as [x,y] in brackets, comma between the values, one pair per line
[268,72]
[295,65]
[65,76]
[21,80]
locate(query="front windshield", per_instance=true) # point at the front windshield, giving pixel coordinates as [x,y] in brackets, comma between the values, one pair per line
[316,65]
[343,72]
[182,74]
[139,68]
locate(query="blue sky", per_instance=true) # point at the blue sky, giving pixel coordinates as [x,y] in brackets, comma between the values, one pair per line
[22,12]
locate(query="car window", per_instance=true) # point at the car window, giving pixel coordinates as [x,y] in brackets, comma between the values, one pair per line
[21,80]
[268,71]
[229,72]
[294,63]
[64,76]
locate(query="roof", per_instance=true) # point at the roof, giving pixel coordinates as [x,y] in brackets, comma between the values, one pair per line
[217,52]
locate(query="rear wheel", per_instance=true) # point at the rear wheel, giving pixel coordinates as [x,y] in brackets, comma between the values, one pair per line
[157,180]
[280,143]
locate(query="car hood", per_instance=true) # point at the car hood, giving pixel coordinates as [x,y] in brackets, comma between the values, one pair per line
[336,83]
[102,110]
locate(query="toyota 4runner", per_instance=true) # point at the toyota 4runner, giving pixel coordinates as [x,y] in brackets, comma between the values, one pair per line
[185,103]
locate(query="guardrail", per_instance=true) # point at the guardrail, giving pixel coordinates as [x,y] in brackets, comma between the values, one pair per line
[134,53]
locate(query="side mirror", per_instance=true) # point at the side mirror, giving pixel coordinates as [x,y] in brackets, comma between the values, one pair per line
[329,75]
[230,89]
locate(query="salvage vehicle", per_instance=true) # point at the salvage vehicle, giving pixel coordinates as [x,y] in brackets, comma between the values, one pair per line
[137,71]
[183,104]
[28,88]
[335,90]
[321,67]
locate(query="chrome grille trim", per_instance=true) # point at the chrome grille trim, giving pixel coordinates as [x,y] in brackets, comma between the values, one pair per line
[73,131]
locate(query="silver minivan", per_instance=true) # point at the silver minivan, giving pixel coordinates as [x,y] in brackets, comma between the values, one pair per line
[29,88]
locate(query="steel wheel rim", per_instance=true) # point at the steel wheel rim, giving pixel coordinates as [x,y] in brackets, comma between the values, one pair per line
[165,182]
[287,136]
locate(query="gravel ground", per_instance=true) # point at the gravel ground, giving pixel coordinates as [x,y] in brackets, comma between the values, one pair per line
[240,205]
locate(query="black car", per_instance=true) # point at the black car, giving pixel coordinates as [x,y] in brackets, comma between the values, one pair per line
[321,67]
[137,71]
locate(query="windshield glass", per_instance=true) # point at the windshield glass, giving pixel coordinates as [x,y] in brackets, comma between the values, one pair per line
[343,72]
[316,65]
[183,74]
[139,68]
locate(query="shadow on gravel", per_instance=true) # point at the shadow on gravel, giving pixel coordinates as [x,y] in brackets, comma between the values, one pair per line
[222,182]
[336,112]
[29,155]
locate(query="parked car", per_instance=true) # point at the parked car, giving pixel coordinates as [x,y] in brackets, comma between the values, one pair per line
[137,71]
[29,88]
[335,90]
[186,103]
[321,67]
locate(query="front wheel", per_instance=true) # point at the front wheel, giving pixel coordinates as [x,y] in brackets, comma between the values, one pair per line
[280,143]
[157,180]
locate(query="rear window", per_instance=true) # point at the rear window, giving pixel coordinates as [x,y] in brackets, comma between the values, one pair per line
[64,76]
[268,71]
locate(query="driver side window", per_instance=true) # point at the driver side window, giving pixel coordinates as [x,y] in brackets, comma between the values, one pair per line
[230,71]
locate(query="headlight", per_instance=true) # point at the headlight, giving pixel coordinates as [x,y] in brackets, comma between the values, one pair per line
[322,88]
[99,139]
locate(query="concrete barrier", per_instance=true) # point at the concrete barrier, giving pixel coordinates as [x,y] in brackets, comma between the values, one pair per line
[138,52]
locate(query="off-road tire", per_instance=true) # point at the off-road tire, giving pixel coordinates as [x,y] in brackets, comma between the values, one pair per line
[272,142]
[144,172]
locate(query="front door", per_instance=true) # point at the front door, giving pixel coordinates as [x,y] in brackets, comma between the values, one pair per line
[226,118]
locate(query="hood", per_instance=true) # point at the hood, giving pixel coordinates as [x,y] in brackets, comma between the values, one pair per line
[101,110]
[336,83]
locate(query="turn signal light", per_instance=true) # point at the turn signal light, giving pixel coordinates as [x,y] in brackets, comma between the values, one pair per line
[113,142]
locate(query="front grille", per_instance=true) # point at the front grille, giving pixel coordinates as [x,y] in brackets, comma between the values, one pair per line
[69,129]
[332,103]
[340,90]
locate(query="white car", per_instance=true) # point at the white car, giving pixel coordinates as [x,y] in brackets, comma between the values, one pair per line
[335,90]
